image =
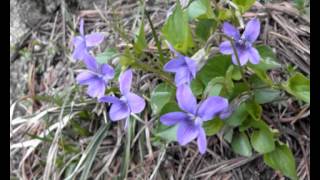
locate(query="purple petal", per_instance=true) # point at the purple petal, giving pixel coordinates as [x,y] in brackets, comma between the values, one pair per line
[107,71]
[85,77]
[173,118]
[77,40]
[202,140]
[119,111]
[135,102]
[174,65]
[231,31]
[96,88]
[243,57]
[81,29]
[252,30]
[94,39]
[79,52]
[125,80]
[186,132]
[225,113]
[253,55]
[109,99]
[226,48]
[211,107]
[185,98]
[90,62]
[183,76]
[191,65]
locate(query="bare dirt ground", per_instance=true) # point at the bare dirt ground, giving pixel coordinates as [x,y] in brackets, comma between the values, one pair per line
[40,65]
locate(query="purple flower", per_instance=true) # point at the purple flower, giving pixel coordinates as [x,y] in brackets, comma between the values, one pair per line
[190,121]
[96,77]
[84,43]
[243,43]
[128,102]
[184,68]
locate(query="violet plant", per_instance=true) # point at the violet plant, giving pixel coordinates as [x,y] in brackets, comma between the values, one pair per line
[225,105]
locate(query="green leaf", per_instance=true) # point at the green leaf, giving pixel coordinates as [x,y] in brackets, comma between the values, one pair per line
[177,31]
[108,54]
[228,134]
[140,40]
[127,58]
[213,126]
[214,87]
[169,134]
[169,107]
[200,9]
[160,96]
[216,66]
[238,116]
[299,86]
[266,95]
[205,27]
[254,109]
[262,141]
[240,144]
[239,88]
[283,160]
[268,59]
[261,74]
[197,87]
[244,5]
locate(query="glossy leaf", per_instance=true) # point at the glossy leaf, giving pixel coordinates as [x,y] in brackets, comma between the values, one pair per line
[299,86]
[177,31]
[160,96]
[108,54]
[200,9]
[283,160]
[238,116]
[240,144]
[262,141]
[213,126]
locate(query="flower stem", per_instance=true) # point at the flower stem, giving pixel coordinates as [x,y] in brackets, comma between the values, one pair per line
[154,34]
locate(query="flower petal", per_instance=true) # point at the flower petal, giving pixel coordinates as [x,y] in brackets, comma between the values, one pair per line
[79,51]
[243,57]
[226,48]
[96,88]
[253,55]
[252,30]
[119,111]
[172,118]
[202,140]
[94,39]
[135,102]
[185,98]
[109,99]
[81,29]
[225,113]
[90,62]
[85,77]
[107,71]
[174,65]
[231,31]
[186,132]
[192,66]
[183,76]
[211,107]
[125,80]
[77,40]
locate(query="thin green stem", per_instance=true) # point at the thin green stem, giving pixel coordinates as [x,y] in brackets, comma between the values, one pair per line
[154,34]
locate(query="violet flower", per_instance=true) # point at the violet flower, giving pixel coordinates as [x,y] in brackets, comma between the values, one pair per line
[96,77]
[190,121]
[184,68]
[84,43]
[243,43]
[128,103]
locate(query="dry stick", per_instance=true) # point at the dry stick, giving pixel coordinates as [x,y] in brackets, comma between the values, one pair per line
[189,165]
[159,163]
[147,133]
